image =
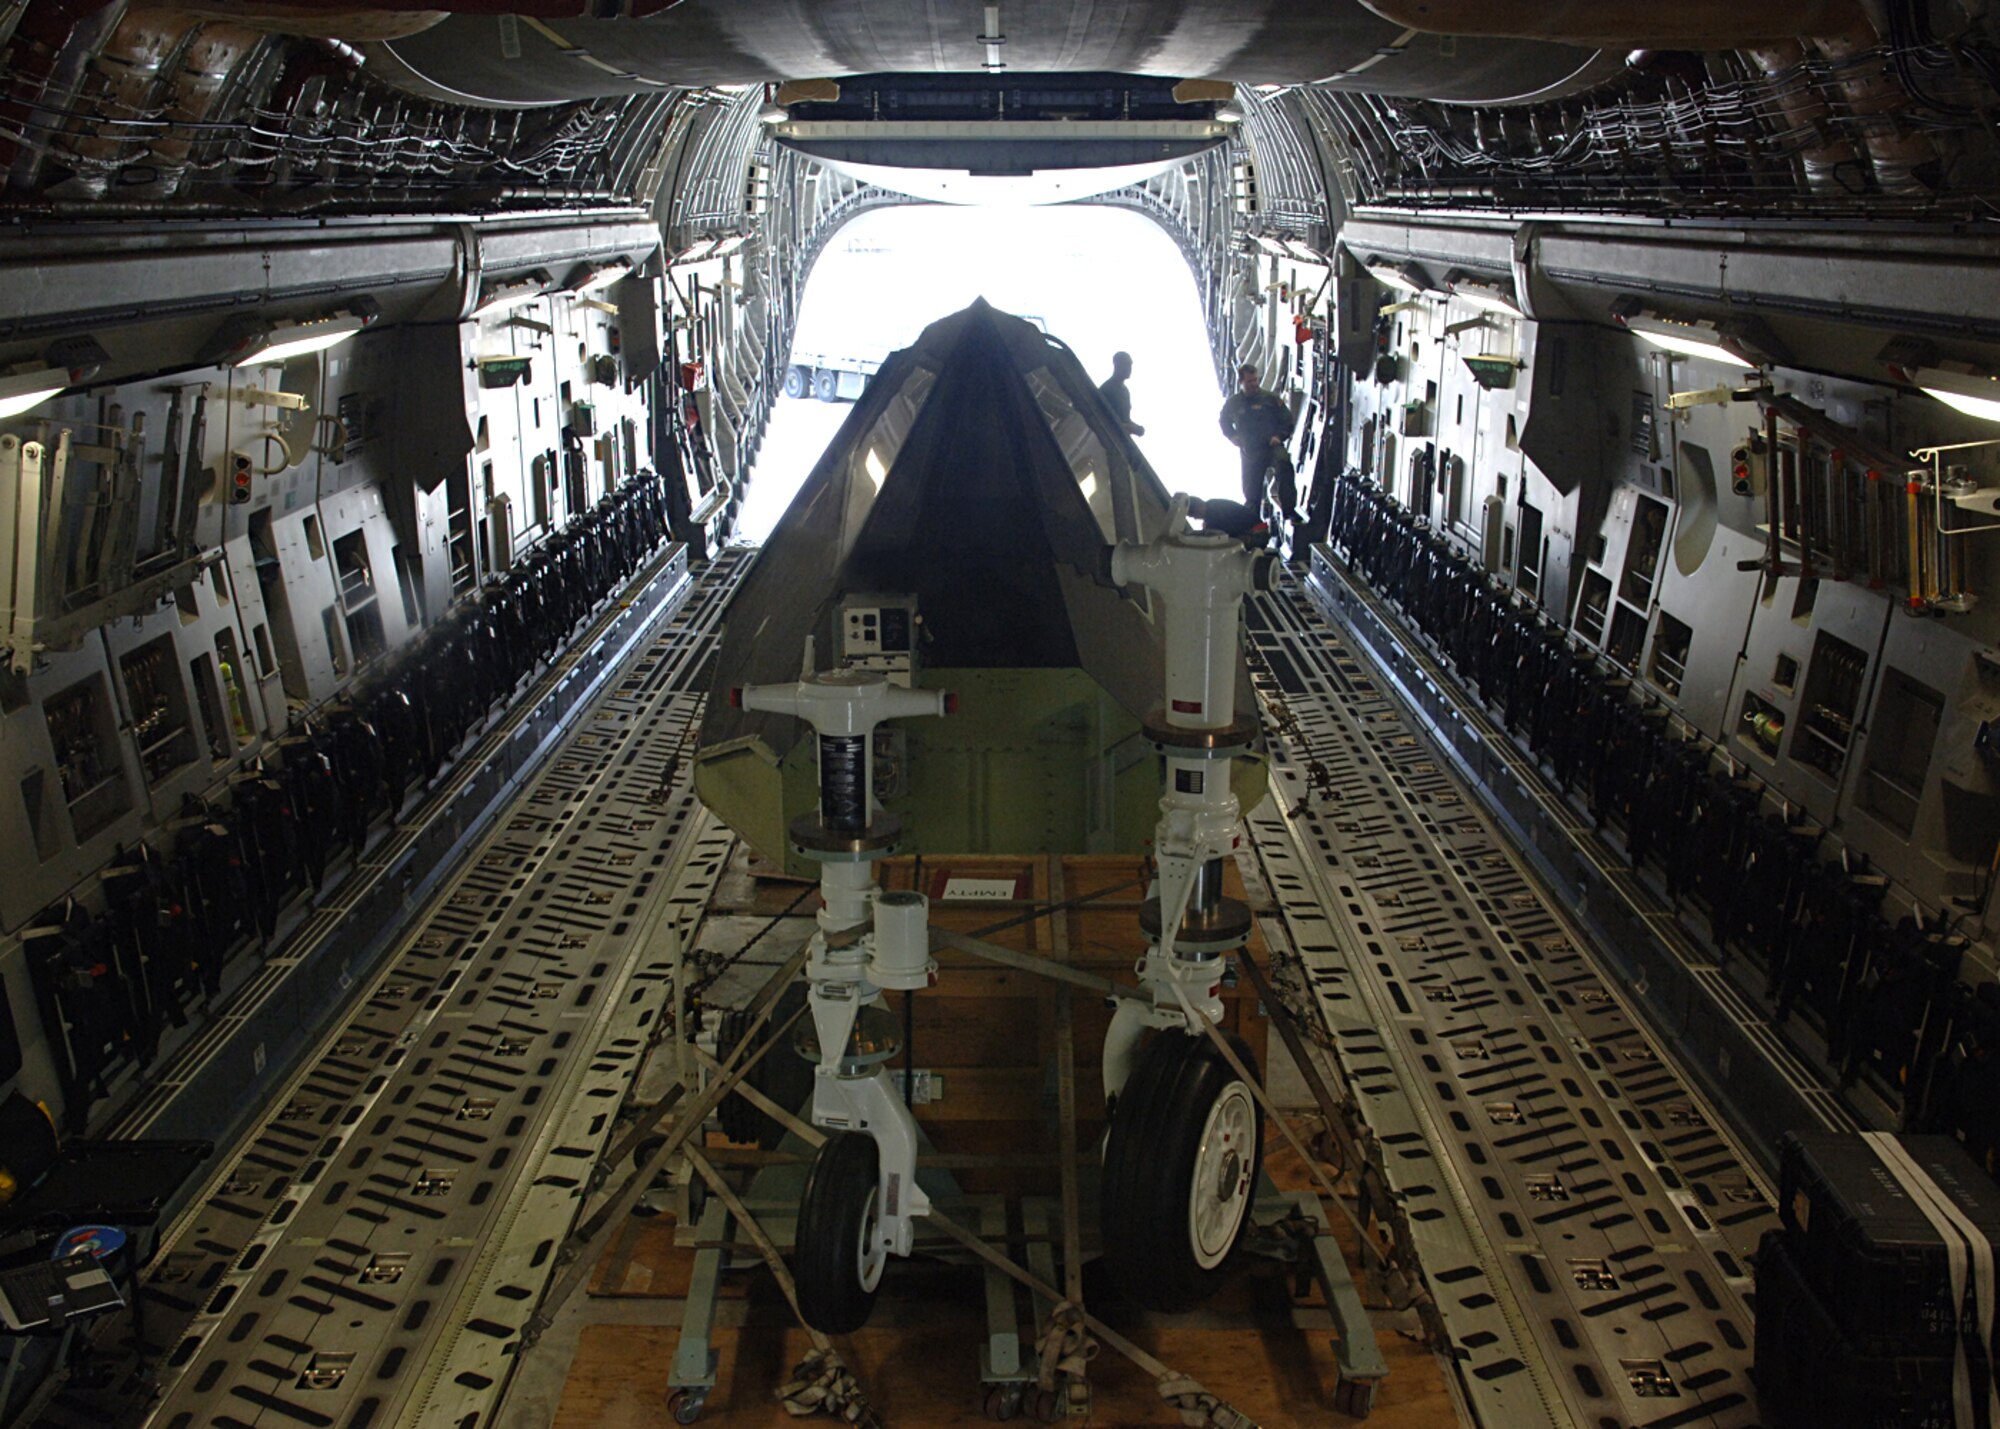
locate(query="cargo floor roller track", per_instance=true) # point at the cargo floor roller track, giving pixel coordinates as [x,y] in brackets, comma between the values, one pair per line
[366,1255]
[1584,1225]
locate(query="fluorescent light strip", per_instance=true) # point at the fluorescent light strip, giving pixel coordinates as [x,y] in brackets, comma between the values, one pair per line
[1686,339]
[1394,278]
[1965,392]
[25,390]
[603,277]
[1486,299]
[297,339]
[510,295]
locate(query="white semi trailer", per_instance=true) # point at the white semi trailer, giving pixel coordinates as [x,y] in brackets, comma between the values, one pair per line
[834,376]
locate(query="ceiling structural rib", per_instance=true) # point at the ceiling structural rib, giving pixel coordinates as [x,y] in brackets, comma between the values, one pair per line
[731,42]
[197,120]
[1843,126]
[1693,25]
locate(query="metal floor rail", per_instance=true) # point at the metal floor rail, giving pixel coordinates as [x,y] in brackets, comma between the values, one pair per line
[365,1256]
[1584,1223]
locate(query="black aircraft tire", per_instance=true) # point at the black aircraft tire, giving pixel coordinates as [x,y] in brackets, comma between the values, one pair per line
[797,380]
[782,1075]
[836,1294]
[1163,1247]
[826,385]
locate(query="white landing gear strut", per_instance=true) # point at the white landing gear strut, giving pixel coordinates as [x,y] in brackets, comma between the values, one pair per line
[1181,1159]
[861,1196]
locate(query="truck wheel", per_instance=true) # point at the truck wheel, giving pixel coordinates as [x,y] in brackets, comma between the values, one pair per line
[797,379]
[826,385]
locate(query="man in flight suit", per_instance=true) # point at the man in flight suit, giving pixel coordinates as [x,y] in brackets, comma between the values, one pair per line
[1117,396]
[1259,422]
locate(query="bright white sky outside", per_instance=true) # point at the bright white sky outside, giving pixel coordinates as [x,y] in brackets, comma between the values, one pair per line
[1102,279]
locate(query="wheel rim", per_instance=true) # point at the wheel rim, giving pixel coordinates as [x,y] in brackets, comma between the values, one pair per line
[869,1253]
[1219,1194]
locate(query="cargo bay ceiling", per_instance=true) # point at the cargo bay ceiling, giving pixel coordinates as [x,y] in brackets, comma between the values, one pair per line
[268,144]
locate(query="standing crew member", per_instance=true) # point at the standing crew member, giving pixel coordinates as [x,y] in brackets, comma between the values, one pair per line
[1258,422]
[1117,396]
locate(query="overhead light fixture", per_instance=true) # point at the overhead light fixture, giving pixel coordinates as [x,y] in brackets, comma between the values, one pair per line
[499,297]
[68,362]
[288,340]
[1715,341]
[773,113]
[1486,296]
[28,387]
[1229,113]
[1962,386]
[1977,394]
[253,341]
[602,276]
[1404,277]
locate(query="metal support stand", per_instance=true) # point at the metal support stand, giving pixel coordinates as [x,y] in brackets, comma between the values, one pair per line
[1355,1353]
[1006,1371]
[693,1373]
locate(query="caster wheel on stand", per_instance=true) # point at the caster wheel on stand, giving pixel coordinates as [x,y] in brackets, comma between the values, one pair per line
[797,380]
[1354,1397]
[837,1263]
[1003,1402]
[1180,1171]
[686,1405]
[659,1193]
[826,385]
[1047,1405]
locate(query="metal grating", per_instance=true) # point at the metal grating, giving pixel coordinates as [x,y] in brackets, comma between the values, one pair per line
[366,1255]
[1585,1225]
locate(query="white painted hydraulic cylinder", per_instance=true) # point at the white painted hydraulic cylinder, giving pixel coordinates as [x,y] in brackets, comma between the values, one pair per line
[902,957]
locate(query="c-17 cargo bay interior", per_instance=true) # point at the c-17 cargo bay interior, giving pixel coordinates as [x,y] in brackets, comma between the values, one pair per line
[1508,941]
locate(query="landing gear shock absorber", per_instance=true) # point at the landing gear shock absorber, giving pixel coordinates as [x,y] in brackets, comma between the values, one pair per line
[1181,1158]
[861,1198]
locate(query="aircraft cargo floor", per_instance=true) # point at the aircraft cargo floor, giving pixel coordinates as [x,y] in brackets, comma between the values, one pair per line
[379,1250]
